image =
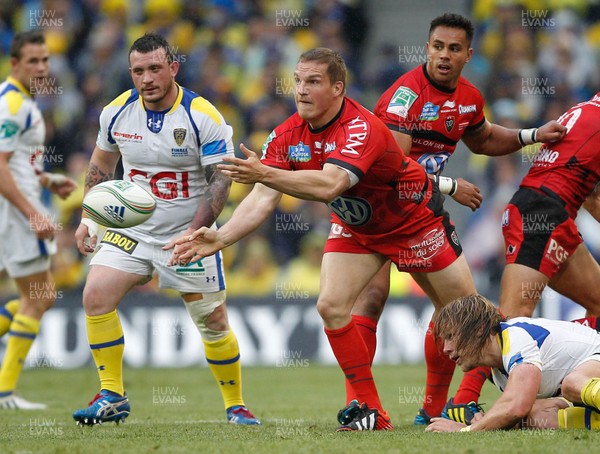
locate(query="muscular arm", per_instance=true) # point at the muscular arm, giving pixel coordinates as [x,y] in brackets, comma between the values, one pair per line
[246,218]
[101,167]
[320,185]
[212,204]
[516,401]
[494,140]
[250,214]
[592,203]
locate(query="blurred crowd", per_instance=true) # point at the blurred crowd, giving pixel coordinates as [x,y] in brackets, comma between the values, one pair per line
[240,55]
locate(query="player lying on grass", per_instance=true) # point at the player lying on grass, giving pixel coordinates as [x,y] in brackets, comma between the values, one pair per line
[543,367]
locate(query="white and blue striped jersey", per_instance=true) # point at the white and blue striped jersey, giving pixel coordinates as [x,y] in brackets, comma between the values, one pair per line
[556,347]
[165,153]
[22,133]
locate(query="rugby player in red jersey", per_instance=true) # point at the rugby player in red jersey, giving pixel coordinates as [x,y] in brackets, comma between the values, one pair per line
[543,245]
[384,208]
[429,109]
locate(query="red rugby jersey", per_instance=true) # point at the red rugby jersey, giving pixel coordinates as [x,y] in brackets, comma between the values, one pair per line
[570,168]
[392,190]
[435,116]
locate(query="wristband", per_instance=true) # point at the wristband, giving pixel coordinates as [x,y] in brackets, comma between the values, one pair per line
[91,225]
[447,185]
[466,429]
[527,136]
[55,178]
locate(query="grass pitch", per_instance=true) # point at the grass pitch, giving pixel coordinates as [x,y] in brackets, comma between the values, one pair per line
[180,411]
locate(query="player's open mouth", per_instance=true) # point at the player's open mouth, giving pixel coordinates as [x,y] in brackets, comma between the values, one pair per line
[444,68]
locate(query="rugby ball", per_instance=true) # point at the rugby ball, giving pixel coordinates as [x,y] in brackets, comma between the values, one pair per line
[118,204]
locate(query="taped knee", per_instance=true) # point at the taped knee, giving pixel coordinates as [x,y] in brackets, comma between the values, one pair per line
[201,310]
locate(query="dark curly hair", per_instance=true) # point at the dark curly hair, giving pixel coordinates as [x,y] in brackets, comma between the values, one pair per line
[453,21]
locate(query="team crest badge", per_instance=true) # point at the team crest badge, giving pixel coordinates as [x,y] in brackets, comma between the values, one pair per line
[179,135]
[449,123]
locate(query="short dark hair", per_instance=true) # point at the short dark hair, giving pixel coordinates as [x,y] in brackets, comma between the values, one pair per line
[468,321]
[336,67]
[453,21]
[23,38]
[149,42]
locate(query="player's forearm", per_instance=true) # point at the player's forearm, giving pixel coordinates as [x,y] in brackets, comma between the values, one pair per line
[249,214]
[212,204]
[500,141]
[10,191]
[319,185]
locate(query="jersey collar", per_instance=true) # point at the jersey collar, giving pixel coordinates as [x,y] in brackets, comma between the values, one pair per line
[330,122]
[11,80]
[175,104]
[434,83]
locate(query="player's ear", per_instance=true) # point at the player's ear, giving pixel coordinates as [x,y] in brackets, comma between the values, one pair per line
[338,88]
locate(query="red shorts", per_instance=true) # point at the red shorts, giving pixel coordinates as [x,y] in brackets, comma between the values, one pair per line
[538,231]
[432,248]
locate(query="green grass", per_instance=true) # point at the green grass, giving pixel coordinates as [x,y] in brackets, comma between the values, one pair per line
[297,407]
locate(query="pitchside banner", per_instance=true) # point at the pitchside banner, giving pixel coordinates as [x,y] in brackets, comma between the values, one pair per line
[283,330]
[276,331]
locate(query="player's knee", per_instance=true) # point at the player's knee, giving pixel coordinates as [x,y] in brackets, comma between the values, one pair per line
[94,299]
[209,314]
[330,310]
[571,387]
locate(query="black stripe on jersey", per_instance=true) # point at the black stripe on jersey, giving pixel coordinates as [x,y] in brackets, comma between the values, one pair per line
[433,135]
[345,165]
[427,135]
[474,127]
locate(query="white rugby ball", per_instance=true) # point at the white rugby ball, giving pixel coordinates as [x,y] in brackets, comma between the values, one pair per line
[118,204]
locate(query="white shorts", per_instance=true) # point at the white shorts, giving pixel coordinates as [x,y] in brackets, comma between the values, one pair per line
[125,253]
[21,253]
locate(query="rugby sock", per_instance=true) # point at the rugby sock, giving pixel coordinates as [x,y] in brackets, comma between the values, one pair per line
[471,384]
[223,357]
[367,327]
[578,418]
[353,357]
[107,343]
[592,322]
[439,375]
[590,393]
[23,331]
[7,312]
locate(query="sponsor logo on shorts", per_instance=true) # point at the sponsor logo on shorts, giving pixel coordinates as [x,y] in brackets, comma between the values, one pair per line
[194,269]
[338,231]
[556,253]
[505,218]
[510,250]
[120,241]
[429,245]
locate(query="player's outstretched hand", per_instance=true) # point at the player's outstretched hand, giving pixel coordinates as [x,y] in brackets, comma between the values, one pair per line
[193,247]
[247,171]
[444,425]
[467,194]
[550,132]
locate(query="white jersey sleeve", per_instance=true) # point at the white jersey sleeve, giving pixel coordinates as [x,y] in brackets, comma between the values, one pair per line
[214,134]
[105,141]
